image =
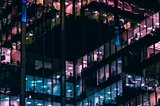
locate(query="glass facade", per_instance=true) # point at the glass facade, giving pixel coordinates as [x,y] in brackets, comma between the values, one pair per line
[35,69]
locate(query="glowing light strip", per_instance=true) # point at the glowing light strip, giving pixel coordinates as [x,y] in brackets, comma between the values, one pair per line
[117,41]
[24,14]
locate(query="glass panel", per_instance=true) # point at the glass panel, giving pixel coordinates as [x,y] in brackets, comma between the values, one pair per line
[119,65]
[110,3]
[96,55]
[39,102]
[113,68]
[101,97]
[69,89]
[149,21]
[79,67]
[114,91]
[69,71]
[30,83]
[47,86]
[79,87]
[119,88]
[100,74]
[106,50]
[56,87]
[39,85]
[156,20]
[113,46]
[48,103]
[4,100]
[152,99]
[29,102]
[150,51]
[101,52]
[96,99]
[107,71]
[107,95]
[85,61]
[90,58]
[124,38]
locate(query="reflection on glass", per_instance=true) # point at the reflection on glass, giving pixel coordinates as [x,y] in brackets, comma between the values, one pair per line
[104,96]
[7,101]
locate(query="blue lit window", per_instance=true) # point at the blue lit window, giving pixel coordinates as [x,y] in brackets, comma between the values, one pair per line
[117,42]
[24,11]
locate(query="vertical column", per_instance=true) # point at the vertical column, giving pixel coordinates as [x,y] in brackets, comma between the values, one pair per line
[116,19]
[63,53]
[75,83]
[74,8]
[75,62]
[23,65]
[23,54]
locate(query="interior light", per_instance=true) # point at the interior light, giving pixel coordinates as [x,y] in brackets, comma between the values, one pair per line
[86,9]
[57,16]
[30,96]
[149,28]
[77,86]
[7,98]
[28,103]
[96,12]
[33,84]
[127,84]
[139,79]
[17,100]
[14,45]
[66,3]
[105,15]
[129,76]
[134,81]
[84,61]
[119,61]
[116,89]
[157,23]
[49,83]
[39,104]
[100,52]
[87,103]
[153,29]
[70,68]
[39,81]
[44,86]
[109,92]
[142,84]
[30,34]
[8,51]
[69,90]
[31,20]
[101,97]
[49,105]
[58,76]
[144,26]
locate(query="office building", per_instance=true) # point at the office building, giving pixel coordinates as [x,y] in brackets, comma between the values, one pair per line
[79,53]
